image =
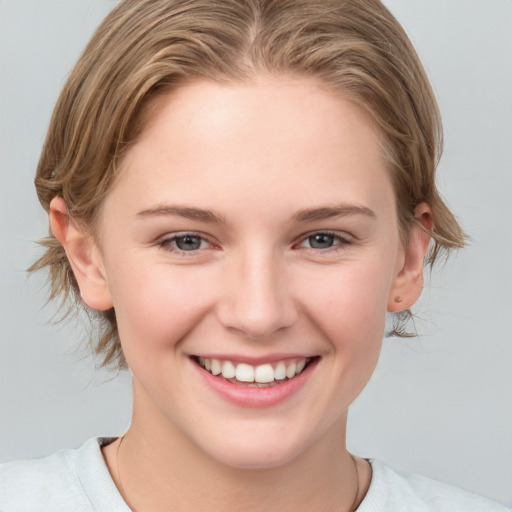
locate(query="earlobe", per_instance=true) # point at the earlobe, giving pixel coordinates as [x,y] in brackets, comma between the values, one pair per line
[408,283]
[83,255]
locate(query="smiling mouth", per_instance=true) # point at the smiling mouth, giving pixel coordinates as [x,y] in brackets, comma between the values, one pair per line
[260,376]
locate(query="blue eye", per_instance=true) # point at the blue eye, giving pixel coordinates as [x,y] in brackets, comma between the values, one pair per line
[324,241]
[321,241]
[187,242]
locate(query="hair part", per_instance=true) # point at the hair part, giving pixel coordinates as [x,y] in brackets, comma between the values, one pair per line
[147,48]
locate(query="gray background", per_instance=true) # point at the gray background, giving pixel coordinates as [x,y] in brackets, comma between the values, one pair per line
[439,405]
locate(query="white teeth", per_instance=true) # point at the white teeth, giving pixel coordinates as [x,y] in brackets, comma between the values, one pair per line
[228,370]
[244,372]
[215,367]
[290,370]
[280,372]
[264,374]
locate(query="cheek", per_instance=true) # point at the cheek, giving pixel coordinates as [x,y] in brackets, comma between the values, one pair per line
[348,305]
[156,305]
[349,302]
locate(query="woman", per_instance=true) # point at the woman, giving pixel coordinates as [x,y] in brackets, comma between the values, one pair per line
[240,192]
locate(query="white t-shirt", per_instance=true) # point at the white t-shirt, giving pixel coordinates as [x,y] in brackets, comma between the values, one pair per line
[79,481]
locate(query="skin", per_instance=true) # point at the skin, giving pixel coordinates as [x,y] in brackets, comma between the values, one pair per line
[256,155]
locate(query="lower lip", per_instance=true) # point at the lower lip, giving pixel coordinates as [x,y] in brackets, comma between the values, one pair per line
[245,396]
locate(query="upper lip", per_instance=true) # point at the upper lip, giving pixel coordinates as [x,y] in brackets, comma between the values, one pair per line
[254,361]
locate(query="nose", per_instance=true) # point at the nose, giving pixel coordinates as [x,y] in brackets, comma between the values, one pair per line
[259,300]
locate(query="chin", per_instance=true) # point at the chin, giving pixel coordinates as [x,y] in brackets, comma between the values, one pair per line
[255,452]
[254,459]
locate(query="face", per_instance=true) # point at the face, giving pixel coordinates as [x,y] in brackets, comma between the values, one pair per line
[252,232]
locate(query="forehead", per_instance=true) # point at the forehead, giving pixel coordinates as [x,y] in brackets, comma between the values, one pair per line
[287,138]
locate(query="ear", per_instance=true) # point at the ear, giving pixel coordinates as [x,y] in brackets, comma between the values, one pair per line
[408,283]
[83,255]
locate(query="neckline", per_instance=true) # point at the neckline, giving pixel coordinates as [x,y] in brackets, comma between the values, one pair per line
[99,485]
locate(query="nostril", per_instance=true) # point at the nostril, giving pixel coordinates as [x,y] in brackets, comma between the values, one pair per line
[258,324]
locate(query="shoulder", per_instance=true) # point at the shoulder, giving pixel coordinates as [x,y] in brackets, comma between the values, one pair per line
[402,491]
[70,479]
[35,484]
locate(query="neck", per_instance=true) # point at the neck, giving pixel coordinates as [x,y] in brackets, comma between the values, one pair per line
[157,465]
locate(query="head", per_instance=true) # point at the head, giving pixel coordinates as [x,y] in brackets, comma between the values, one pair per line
[148,50]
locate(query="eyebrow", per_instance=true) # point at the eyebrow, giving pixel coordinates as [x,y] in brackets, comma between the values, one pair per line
[314,214]
[307,215]
[182,211]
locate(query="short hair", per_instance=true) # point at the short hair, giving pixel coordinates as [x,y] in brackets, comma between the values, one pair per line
[147,48]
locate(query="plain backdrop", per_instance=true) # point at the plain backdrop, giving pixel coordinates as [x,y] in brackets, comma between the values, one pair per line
[440,404]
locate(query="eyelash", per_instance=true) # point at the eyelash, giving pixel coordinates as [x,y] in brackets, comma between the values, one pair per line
[167,243]
[339,242]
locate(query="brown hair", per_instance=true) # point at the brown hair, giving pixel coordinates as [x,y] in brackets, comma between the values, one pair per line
[145,48]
